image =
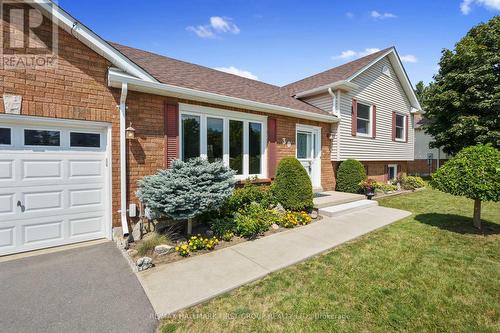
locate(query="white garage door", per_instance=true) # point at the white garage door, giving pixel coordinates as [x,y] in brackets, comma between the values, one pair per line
[53,183]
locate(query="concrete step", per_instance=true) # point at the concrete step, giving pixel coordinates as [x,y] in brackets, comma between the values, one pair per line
[349,207]
[328,199]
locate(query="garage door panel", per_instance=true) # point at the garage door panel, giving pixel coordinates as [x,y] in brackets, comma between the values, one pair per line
[85,168]
[6,170]
[6,238]
[86,226]
[43,232]
[41,169]
[43,200]
[6,204]
[85,197]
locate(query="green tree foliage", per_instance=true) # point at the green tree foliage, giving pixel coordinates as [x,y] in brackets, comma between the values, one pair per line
[349,175]
[463,104]
[292,186]
[187,189]
[474,173]
[421,90]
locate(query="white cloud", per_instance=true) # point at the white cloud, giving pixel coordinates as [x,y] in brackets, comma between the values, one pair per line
[202,31]
[237,71]
[409,58]
[465,6]
[218,25]
[347,54]
[381,16]
[349,15]
[221,24]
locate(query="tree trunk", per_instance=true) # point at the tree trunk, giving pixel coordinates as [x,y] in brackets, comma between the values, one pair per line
[477,213]
[190,227]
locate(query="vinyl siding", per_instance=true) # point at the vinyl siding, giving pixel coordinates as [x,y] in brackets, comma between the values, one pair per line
[422,141]
[388,95]
[322,101]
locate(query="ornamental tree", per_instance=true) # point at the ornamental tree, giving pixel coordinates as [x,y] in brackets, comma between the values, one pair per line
[187,189]
[475,173]
[462,105]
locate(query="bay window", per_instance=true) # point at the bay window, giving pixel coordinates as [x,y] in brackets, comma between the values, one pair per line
[238,139]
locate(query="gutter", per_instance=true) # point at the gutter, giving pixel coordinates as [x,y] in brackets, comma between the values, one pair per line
[123,161]
[343,85]
[117,78]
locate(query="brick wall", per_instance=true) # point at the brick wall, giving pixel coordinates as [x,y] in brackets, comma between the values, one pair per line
[421,168]
[77,89]
[377,169]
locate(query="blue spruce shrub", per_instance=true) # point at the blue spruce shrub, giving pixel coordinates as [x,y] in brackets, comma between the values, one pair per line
[187,189]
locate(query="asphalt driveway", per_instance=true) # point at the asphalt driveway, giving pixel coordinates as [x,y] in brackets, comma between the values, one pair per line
[87,289]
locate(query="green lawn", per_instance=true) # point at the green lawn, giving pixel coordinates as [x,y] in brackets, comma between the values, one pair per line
[431,272]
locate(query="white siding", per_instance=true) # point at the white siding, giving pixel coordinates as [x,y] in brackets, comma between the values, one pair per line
[388,95]
[422,141]
[322,101]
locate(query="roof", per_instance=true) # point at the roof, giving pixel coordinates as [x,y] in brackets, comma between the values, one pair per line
[420,122]
[183,74]
[342,72]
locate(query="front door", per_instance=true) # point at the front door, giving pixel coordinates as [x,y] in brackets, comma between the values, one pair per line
[309,152]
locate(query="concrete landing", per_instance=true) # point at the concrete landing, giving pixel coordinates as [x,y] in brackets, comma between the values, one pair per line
[347,207]
[333,198]
[188,282]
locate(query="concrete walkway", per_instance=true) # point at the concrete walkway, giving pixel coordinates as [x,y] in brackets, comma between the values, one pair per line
[188,282]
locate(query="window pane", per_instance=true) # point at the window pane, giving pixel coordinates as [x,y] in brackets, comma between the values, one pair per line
[303,145]
[363,111]
[399,133]
[255,141]
[4,136]
[236,146]
[215,128]
[362,126]
[190,137]
[42,138]
[400,120]
[90,140]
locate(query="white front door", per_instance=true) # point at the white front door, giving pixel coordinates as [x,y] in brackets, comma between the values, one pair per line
[309,152]
[53,185]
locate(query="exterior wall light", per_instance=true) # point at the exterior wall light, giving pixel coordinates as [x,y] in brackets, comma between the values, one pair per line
[130,133]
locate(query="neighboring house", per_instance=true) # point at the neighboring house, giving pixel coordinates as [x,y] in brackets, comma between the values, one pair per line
[427,159]
[68,174]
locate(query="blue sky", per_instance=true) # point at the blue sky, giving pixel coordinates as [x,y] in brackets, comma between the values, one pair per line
[283,41]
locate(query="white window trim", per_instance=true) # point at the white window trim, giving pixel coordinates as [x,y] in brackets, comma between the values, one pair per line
[370,123]
[205,112]
[403,139]
[395,166]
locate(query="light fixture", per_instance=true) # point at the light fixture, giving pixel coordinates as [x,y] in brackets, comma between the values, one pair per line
[130,133]
[331,136]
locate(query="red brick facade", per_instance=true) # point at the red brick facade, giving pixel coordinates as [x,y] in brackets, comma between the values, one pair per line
[77,89]
[378,169]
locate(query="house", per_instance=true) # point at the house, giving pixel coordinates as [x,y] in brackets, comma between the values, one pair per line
[80,125]
[427,159]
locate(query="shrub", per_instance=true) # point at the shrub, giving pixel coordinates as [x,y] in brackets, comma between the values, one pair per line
[222,226]
[412,182]
[255,220]
[474,173]
[349,174]
[385,187]
[148,245]
[292,186]
[243,197]
[188,189]
[293,219]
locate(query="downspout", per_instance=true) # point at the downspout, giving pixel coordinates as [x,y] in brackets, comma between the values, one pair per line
[123,161]
[336,112]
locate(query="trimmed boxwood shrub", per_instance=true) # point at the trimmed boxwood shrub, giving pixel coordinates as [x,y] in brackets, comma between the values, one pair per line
[349,174]
[292,186]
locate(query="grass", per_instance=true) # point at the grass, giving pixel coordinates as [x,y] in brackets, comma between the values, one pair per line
[148,245]
[431,272]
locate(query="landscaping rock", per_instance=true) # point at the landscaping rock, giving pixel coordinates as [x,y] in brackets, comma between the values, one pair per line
[314,214]
[132,252]
[279,208]
[275,226]
[164,249]
[144,263]
[137,232]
